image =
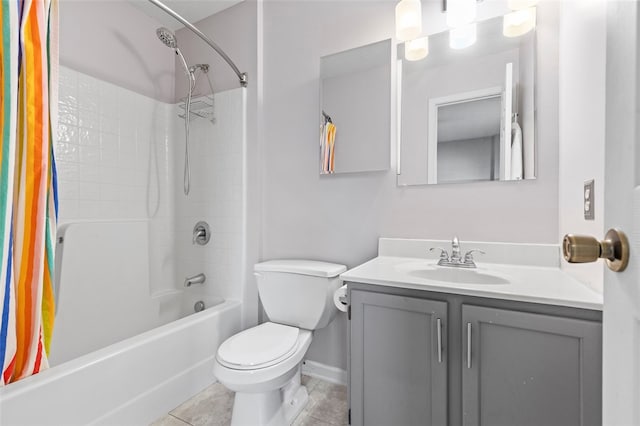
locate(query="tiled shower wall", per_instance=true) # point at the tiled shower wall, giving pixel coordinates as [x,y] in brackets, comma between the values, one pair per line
[112,151]
[112,155]
[120,157]
[216,196]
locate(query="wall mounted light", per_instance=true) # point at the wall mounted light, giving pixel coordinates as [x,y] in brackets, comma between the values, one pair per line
[408,20]
[462,37]
[416,49]
[519,22]
[460,12]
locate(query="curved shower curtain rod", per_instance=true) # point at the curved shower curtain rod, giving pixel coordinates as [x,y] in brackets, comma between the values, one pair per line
[241,75]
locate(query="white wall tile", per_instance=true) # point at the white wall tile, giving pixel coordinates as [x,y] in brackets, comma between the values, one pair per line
[89,155]
[68,152]
[89,137]
[120,156]
[89,119]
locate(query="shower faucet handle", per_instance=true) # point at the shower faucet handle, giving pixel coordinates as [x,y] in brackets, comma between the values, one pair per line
[201,233]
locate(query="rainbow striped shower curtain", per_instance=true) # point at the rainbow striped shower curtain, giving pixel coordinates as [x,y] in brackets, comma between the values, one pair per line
[28,198]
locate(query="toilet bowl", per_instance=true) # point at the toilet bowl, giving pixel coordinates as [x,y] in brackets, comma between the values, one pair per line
[264,375]
[262,364]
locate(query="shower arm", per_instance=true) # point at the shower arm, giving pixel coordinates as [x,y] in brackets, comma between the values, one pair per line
[241,75]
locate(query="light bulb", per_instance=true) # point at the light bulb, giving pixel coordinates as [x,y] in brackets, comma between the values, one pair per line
[521,4]
[417,49]
[462,37]
[519,22]
[408,20]
[460,12]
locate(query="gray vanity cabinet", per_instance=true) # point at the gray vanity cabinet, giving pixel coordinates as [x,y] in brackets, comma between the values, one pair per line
[493,363]
[398,360]
[529,369]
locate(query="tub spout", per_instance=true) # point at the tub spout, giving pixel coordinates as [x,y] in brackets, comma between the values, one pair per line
[196,279]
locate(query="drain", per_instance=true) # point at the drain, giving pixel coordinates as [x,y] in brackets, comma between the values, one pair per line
[199,306]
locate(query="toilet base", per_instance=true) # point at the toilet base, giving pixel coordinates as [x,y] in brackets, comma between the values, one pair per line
[277,407]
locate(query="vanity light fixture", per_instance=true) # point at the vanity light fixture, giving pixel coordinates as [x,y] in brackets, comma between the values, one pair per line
[519,22]
[408,20]
[462,37]
[416,49]
[460,12]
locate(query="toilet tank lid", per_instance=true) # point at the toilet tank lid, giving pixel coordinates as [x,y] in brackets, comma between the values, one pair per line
[300,266]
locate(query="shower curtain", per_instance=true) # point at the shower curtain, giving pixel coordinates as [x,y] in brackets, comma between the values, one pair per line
[28,198]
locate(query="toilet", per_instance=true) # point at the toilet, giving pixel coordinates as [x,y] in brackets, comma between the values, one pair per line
[262,364]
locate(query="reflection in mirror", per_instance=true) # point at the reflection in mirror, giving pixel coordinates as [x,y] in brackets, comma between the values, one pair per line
[468,142]
[468,115]
[355,109]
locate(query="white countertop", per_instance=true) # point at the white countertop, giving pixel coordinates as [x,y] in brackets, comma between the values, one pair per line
[537,284]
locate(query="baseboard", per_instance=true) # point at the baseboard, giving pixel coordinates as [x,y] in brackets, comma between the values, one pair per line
[324,372]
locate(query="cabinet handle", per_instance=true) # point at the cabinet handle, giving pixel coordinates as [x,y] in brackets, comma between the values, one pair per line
[439,332]
[468,345]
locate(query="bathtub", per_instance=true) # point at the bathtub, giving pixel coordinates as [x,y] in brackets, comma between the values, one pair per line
[132,382]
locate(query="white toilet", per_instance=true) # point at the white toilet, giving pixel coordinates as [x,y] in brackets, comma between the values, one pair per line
[262,364]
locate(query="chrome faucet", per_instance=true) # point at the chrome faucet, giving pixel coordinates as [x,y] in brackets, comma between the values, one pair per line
[201,233]
[196,279]
[456,260]
[455,250]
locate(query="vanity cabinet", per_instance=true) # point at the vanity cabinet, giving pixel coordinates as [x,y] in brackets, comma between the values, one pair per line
[530,369]
[399,368]
[494,362]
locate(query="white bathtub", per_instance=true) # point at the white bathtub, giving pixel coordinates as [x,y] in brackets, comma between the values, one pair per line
[132,382]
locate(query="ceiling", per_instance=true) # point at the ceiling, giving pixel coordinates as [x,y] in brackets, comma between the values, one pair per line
[192,10]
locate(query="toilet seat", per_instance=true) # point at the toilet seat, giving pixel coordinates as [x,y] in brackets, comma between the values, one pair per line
[259,347]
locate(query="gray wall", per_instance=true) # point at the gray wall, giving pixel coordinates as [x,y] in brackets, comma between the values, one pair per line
[583,60]
[339,218]
[115,42]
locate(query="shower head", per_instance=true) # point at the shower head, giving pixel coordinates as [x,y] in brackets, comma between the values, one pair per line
[167,37]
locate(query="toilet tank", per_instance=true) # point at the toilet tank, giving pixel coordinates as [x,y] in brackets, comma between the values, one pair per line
[299,292]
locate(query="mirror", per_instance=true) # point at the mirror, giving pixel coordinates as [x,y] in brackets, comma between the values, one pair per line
[355,120]
[459,109]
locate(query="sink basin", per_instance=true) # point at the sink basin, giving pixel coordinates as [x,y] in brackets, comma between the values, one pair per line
[453,275]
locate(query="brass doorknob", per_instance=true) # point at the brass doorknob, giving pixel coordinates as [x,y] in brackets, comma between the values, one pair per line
[583,248]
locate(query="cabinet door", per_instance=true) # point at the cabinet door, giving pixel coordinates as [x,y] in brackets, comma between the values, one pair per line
[530,369]
[399,363]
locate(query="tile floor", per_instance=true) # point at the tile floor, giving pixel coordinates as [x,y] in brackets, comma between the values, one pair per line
[327,406]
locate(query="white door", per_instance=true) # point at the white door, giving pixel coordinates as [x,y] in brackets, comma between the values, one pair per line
[621,358]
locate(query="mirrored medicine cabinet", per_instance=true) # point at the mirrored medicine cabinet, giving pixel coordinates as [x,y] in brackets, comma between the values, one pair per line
[355,109]
[458,110]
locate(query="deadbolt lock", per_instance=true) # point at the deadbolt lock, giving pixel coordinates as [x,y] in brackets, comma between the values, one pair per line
[583,249]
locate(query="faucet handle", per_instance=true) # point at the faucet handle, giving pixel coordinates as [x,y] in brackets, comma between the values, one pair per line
[468,256]
[444,255]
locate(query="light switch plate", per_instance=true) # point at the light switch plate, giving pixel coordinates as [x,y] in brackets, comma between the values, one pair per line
[588,200]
